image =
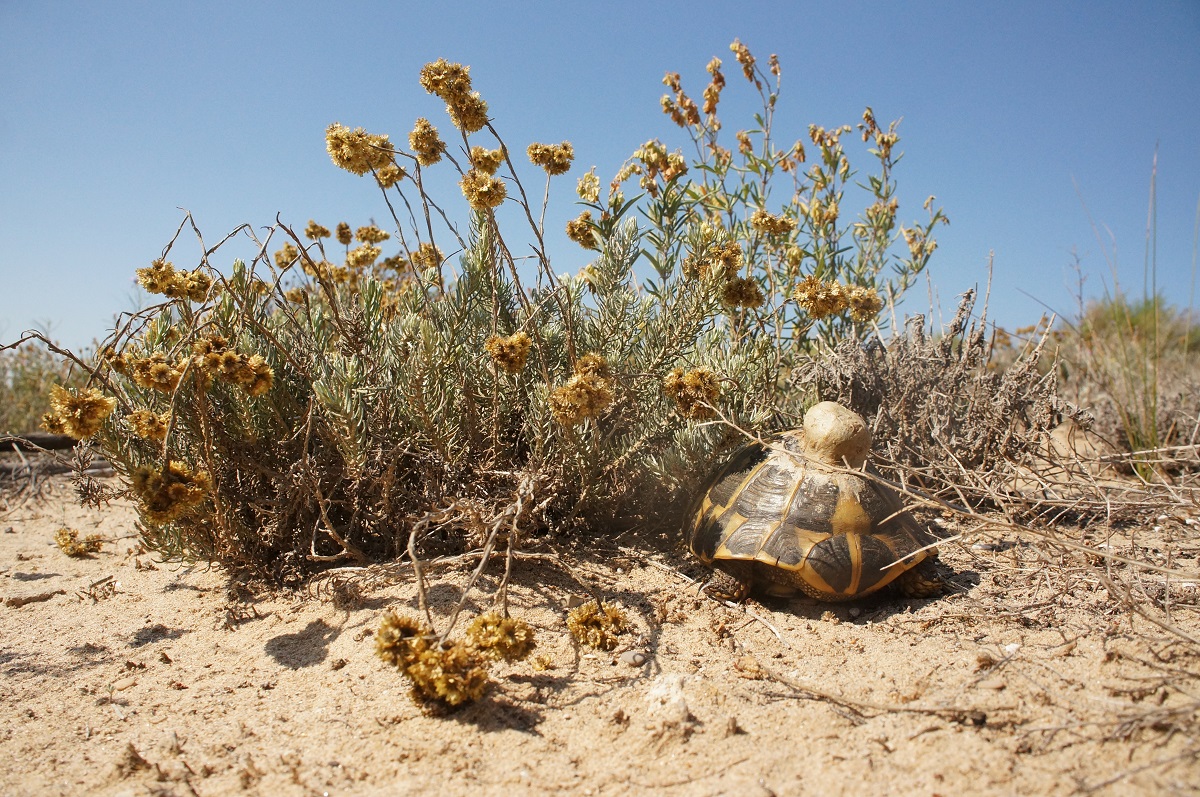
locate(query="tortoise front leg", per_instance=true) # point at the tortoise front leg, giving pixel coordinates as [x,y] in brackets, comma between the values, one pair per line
[731,581]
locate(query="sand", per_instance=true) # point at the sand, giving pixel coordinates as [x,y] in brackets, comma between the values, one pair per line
[123,675]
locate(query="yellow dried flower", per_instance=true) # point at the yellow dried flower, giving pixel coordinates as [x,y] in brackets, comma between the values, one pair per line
[449,81]
[771,224]
[288,254]
[482,190]
[819,298]
[511,352]
[579,230]
[695,391]
[426,143]
[501,637]
[344,236]
[588,187]
[196,283]
[69,543]
[314,232]
[156,372]
[53,424]
[486,160]
[865,303]
[148,425]
[158,277]
[712,94]
[742,292]
[357,151]
[742,53]
[371,235]
[597,626]
[295,295]
[400,640]
[449,677]
[170,493]
[363,256]
[427,256]
[554,158]
[79,415]
[389,175]
[593,363]
[586,394]
[469,114]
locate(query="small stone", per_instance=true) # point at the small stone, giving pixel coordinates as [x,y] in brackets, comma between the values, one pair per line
[854,612]
[995,684]
[1011,648]
[575,601]
[633,658]
[123,684]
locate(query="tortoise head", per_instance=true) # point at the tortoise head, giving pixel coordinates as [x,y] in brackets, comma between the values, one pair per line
[835,435]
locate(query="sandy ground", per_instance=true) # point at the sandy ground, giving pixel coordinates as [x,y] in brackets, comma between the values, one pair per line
[127,676]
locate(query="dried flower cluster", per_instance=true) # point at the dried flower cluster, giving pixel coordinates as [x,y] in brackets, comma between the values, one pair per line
[695,392]
[249,372]
[579,230]
[554,158]
[166,494]
[426,142]
[499,637]
[721,261]
[586,394]
[742,292]
[452,83]
[588,186]
[486,160]
[79,414]
[315,232]
[509,353]
[822,298]
[444,677]
[597,626]
[482,190]
[69,543]
[358,151]
[288,254]
[161,277]
[769,223]
[156,372]
[148,425]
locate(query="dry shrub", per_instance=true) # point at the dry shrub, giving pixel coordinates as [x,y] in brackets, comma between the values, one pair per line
[942,417]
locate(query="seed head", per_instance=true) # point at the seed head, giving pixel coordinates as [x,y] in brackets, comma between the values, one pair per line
[315,232]
[482,190]
[579,230]
[426,143]
[509,353]
[168,494]
[554,158]
[148,425]
[501,637]
[695,391]
[357,151]
[597,627]
[742,292]
[819,298]
[78,414]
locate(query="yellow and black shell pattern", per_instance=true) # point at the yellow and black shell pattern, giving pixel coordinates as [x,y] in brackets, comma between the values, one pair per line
[772,518]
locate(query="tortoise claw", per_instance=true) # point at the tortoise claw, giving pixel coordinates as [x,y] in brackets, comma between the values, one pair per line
[724,587]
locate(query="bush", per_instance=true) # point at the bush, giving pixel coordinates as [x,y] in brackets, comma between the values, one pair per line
[326,403]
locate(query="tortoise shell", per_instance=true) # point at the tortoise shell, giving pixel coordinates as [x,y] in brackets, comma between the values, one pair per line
[776,516]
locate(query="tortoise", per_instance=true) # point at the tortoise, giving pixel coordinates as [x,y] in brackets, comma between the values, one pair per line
[778,517]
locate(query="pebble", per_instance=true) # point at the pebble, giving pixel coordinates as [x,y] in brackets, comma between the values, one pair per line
[854,611]
[633,658]
[995,684]
[123,684]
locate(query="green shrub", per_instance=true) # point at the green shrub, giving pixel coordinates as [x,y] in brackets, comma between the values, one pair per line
[326,403]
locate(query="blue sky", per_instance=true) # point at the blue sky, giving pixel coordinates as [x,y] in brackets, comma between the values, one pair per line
[114,115]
